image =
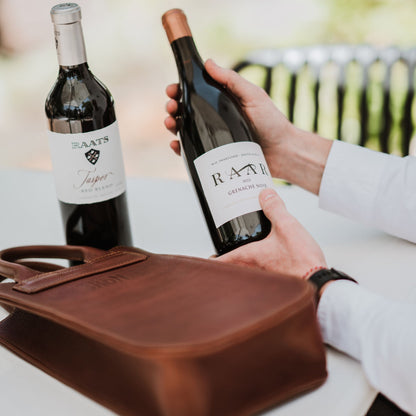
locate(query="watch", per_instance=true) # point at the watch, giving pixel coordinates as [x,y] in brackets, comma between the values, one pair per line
[319,278]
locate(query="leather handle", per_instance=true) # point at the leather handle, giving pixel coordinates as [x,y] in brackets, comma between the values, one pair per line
[20,272]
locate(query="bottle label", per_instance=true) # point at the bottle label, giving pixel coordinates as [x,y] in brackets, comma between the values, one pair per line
[88,167]
[232,176]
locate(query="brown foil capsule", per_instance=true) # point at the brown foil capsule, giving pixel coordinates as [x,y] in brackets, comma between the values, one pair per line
[175,24]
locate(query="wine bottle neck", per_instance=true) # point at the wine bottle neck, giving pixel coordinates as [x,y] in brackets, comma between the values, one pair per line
[80,70]
[187,57]
[70,45]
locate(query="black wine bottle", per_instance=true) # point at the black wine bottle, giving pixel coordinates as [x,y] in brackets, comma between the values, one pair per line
[85,143]
[224,161]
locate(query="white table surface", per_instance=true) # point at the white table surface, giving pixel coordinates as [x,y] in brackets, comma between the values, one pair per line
[166,218]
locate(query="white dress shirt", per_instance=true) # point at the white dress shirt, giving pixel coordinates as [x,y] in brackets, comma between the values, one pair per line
[379,190]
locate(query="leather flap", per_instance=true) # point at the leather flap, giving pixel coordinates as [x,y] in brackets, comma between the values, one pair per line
[111,260]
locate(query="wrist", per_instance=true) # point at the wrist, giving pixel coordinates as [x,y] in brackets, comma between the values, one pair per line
[302,159]
[312,271]
[279,150]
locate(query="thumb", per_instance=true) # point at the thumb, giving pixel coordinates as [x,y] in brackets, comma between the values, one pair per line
[239,86]
[272,205]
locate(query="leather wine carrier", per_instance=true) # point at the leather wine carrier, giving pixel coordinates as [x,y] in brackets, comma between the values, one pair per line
[149,334]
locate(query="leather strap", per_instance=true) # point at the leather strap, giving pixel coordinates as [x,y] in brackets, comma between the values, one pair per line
[11,268]
[40,266]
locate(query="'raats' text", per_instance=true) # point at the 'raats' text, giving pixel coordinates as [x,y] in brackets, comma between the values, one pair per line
[234,173]
[89,143]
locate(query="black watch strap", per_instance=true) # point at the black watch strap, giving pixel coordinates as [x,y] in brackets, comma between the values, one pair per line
[322,276]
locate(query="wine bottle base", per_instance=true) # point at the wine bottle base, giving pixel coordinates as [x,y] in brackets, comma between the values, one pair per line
[103,224]
[238,240]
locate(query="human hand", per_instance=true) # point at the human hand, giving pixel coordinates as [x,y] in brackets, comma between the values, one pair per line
[289,249]
[174,93]
[271,127]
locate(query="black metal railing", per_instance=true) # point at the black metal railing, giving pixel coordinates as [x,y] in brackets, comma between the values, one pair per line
[369,90]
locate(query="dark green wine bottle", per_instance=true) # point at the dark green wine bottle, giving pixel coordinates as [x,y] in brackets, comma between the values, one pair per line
[224,161]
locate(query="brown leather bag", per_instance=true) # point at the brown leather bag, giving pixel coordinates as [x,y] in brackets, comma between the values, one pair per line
[149,334]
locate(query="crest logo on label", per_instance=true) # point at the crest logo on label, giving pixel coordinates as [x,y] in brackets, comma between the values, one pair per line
[92,156]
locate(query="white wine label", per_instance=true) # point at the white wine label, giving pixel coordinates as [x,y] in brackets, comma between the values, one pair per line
[88,167]
[232,176]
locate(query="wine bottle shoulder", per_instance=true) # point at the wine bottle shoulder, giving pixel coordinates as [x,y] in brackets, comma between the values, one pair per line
[211,117]
[79,95]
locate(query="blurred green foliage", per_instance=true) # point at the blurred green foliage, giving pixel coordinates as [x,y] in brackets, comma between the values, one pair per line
[375,21]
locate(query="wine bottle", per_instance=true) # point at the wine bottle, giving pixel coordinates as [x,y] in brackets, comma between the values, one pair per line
[224,161]
[85,144]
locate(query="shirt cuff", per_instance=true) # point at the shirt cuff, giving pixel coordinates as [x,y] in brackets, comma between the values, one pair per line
[351,174]
[342,312]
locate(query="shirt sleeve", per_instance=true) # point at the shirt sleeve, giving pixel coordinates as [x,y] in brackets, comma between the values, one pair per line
[374,188]
[378,332]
